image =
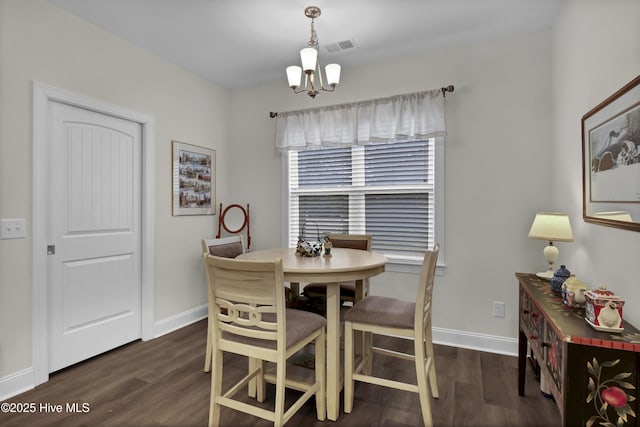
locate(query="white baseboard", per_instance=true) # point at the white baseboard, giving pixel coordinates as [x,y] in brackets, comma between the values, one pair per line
[180,320]
[449,337]
[475,341]
[16,383]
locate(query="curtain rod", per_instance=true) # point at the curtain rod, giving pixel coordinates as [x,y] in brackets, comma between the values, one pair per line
[444,91]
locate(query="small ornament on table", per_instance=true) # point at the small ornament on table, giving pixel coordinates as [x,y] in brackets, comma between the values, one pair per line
[327,246]
[308,249]
[603,310]
[299,249]
[573,292]
[558,278]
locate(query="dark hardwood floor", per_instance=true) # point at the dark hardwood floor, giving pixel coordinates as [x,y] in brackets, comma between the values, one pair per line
[161,383]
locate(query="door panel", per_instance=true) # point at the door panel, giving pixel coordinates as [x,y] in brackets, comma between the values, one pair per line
[95,277]
[103,279]
[100,181]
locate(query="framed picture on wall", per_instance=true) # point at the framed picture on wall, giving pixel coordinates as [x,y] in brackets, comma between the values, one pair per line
[611,159]
[194,171]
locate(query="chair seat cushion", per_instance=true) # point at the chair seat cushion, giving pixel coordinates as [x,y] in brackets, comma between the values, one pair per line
[383,311]
[299,325]
[347,289]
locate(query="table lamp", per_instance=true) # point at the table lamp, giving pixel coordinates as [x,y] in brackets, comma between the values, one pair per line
[551,226]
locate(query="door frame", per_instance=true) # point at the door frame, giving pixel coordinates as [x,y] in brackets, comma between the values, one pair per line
[43,94]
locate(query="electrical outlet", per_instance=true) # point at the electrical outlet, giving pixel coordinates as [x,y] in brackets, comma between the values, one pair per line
[498,309]
[12,228]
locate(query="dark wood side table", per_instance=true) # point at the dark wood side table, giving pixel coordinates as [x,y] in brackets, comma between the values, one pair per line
[594,376]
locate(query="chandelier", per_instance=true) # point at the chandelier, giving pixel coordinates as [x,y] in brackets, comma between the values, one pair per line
[310,61]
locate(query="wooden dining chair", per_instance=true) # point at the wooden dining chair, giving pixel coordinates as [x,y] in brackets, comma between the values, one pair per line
[251,319]
[227,247]
[347,289]
[393,317]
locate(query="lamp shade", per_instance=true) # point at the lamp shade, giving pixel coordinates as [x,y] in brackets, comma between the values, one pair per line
[309,57]
[332,71]
[294,74]
[551,226]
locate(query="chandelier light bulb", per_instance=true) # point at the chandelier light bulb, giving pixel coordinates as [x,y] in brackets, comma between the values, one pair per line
[294,74]
[309,57]
[332,72]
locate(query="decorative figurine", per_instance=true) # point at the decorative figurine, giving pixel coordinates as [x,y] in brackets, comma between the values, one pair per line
[327,246]
[558,278]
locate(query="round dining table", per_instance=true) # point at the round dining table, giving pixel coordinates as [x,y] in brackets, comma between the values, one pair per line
[341,266]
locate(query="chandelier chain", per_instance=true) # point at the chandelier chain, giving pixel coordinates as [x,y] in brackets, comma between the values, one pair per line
[313,41]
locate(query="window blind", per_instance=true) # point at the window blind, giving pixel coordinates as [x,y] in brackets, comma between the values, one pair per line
[385,190]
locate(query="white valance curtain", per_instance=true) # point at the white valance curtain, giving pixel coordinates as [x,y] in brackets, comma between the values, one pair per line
[409,117]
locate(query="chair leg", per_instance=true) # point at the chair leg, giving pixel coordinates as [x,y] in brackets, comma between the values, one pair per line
[367,353]
[210,316]
[260,383]
[432,368]
[216,388]
[207,356]
[251,365]
[281,375]
[257,386]
[348,367]
[421,373]
[321,375]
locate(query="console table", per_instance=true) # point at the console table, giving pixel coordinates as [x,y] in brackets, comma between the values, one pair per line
[594,376]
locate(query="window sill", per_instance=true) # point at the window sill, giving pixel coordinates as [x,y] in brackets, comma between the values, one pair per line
[411,265]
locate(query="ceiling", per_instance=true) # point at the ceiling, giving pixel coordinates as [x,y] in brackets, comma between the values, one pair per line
[240,43]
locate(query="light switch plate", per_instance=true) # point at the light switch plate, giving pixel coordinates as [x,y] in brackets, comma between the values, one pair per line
[12,228]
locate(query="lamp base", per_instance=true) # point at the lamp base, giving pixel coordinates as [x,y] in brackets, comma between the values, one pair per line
[546,275]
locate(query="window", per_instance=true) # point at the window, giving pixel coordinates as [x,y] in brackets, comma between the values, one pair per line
[387,190]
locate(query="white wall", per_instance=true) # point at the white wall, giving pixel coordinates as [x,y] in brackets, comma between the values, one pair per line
[498,156]
[596,52]
[43,43]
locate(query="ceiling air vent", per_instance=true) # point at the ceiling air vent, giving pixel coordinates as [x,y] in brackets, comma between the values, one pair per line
[343,45]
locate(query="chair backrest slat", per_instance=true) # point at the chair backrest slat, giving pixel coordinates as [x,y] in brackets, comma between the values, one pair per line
[248,332]
[351,241]
[227,247]
[425,289]
[251,285]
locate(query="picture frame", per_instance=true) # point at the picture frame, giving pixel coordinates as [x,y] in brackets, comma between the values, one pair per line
[194,184]
[611,160]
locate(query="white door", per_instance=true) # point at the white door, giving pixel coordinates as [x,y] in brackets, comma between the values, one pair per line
[95,281]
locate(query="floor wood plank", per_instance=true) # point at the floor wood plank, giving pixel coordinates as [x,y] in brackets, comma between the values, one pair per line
[161,383]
